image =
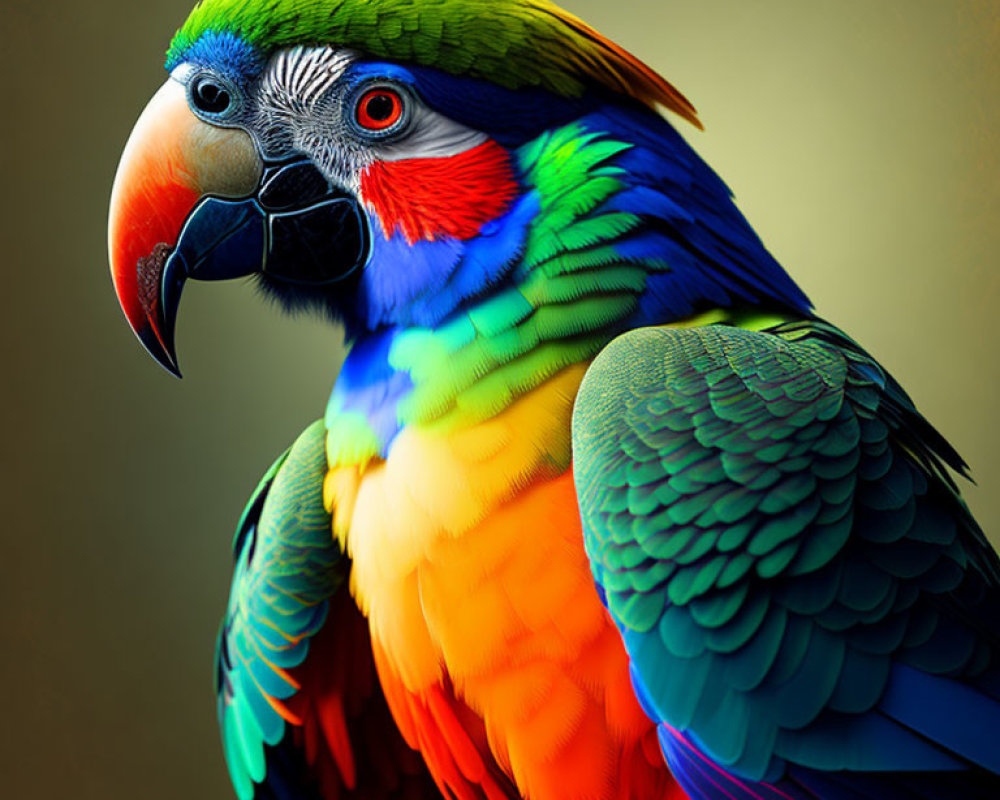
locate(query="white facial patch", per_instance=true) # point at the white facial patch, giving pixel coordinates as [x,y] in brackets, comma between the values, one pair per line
[293,104]
[297,78]
[303,106]
[431,135]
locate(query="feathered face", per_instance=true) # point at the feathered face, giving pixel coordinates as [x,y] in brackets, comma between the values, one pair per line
[324,103]
[339,177]
[305,172]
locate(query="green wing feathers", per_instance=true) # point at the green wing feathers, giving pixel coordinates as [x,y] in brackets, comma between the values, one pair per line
[300,708]
[287,568]
[774,531]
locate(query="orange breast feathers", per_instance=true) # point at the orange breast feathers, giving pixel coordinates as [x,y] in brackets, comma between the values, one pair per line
[497,658]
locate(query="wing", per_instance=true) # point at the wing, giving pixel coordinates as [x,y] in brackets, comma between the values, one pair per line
[300,707]
[809,608]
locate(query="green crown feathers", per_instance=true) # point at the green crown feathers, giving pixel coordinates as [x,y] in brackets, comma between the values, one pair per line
[514,43]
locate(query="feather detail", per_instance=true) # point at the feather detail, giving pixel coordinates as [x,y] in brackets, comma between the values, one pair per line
[433,198]
[805,599]
[515,43]
[300,708]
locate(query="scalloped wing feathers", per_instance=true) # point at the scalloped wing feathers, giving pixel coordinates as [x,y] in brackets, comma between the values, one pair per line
[799,587]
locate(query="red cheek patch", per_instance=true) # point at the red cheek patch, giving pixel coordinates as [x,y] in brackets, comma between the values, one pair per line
[431,198]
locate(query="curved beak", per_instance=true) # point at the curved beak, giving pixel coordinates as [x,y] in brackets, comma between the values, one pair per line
[171,160]
[193,200]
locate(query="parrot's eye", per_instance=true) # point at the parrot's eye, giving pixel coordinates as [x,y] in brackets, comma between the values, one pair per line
[211,95]
[380,110]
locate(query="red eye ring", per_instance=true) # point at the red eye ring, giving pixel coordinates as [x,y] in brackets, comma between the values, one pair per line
[379,109]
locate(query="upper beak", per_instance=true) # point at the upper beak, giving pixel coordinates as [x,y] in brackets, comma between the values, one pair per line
[171,160]
[193,200]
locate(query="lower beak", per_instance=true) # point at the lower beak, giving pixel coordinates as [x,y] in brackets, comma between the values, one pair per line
[193,200]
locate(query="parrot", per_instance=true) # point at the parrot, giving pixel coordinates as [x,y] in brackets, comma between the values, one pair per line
[599,506]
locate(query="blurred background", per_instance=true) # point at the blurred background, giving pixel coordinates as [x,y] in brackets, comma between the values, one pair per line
[860,138]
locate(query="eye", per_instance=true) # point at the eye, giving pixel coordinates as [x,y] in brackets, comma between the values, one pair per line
[211,96]
[379,109]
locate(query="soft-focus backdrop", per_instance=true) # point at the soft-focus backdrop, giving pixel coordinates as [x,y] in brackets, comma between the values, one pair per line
[861,139]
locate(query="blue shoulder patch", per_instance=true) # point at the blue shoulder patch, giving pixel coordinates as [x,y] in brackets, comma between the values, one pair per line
[713,254]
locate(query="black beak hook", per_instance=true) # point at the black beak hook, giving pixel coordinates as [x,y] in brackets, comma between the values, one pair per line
[297,229]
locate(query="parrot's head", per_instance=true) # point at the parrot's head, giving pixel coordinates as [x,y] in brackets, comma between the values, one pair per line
[354,154]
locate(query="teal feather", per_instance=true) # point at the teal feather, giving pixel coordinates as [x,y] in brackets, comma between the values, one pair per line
[287,567]
[814,538]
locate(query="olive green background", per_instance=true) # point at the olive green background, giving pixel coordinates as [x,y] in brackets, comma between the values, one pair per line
[860,136]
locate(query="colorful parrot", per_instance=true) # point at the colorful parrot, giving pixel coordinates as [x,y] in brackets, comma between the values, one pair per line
[599,508]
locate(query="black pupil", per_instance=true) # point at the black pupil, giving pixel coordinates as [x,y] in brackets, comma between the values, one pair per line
[380,107]
[210,97]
